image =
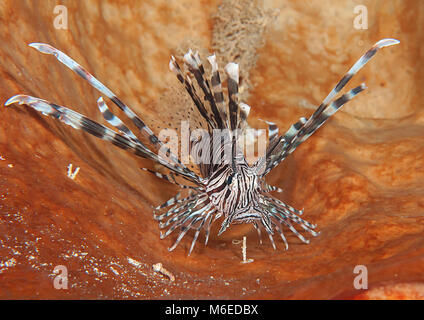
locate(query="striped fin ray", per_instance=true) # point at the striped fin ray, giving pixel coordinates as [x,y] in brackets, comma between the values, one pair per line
[79,70]
[232,70]
[199,227]
[180,218]
[294,129]
[114,120]
[302,130]
[78,121]
[209,221]
[288,224]
[273,137]
[362,61]
[269,188]
[194,214]
[196,68]
[181,210]
[317,119]
[244,111]
[296,135]
[186,82]
[258,229]
[170,178]
[279,203]
[274,149]
[281,233]
[279,218]
[287,212]
[217,90]
[189,223]
[178,206]
[266,224]
[175,199]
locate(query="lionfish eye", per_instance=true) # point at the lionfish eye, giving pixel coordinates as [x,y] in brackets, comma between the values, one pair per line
[230,179]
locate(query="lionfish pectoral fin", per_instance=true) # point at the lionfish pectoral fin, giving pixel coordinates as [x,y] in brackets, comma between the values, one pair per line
[174,165]
[266,221]
[225,225]
[303,129]
[81,122]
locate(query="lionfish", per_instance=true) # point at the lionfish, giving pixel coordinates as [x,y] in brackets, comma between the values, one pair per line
[231,188]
